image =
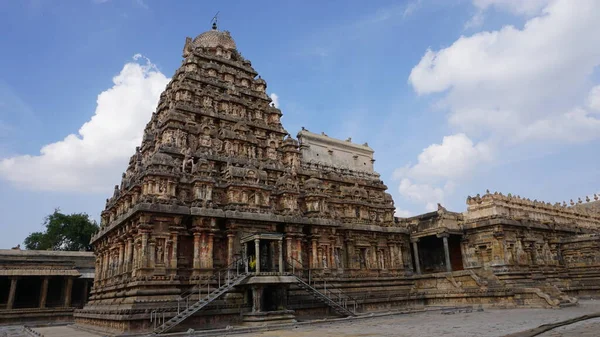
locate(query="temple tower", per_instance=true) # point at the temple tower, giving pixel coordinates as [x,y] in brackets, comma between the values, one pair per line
[216,172]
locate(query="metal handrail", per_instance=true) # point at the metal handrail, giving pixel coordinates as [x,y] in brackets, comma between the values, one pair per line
[342,298]
[225,274]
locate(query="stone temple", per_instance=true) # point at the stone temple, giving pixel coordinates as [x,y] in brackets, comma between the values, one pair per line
[222,218]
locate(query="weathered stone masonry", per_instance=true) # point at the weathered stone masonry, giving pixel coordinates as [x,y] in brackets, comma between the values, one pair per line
[217,180]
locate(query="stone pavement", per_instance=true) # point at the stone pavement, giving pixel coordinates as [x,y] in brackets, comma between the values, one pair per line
[11,331]
[63,331]
[588,328]
[490,323]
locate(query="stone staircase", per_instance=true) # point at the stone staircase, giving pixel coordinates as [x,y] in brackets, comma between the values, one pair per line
[334,298]
[203,302]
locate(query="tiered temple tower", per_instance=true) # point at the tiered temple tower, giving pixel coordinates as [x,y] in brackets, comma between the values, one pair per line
[217,171]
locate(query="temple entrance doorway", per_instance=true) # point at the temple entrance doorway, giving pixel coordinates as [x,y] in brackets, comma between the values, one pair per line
[456,260]
[270,299]
[431,254]
[263,252]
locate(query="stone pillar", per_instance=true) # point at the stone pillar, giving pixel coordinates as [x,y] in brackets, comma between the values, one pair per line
[331,253]
[280,242]
[12,292]
[299,252]
[230,237]
[129,258]
[245,257]
[174,248]
[121,263]
[447,253]
[144,253]
[399,257]
[196,250]
[152,254]
[44,292]
[256,296]
[105,264]
[416,256]
[257,257]
[288,251]
[315,259]
[209,259]
[68,290]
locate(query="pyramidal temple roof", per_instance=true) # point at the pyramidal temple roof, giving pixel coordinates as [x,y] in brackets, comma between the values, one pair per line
[215,144]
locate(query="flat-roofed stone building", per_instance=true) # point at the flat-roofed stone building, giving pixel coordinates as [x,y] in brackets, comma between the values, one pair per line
[39,285]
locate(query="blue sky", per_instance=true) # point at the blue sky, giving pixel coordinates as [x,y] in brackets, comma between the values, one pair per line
[456,97]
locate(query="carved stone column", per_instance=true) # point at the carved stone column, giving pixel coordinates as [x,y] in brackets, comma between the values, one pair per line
[230,238]
[245,257]
[280,246]
[121,263]
[399,257]
[210,251]
[196,250]
[129,257]
[44,292]
[68,291]
[152,254]
[174,248]
[315,259]
[288,250]
[105,264]
[84,292]
[12,292]
[447,253]
[299,252]
[257,257]
[416,255]
[256,298]
[144,252]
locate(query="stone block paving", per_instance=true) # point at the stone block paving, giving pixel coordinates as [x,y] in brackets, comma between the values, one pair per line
[588,328]
[12,331]
[490,323]
[63,331]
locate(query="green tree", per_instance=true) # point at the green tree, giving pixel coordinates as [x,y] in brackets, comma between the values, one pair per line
[64,232]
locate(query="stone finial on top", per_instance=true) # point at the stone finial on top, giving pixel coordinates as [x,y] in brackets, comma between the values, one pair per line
[595,196]
[17,247]
[587,198]
[579,200]
[572,203]
[487,191]
[349,139]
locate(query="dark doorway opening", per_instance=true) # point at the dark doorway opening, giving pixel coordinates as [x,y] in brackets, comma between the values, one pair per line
[28,292]
[456,260]
[270,299]
[55,292]
[4,291]
[431,254]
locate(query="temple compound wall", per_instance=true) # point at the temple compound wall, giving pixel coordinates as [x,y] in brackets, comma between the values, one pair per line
[219,187]
[43,285]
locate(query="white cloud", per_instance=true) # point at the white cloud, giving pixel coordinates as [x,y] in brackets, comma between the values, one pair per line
[519,7]
[275,99]
[439,168]
[401,213]
[508,87]
[92,159]
[508,80]
[453,159]
[426,194]
[594,98]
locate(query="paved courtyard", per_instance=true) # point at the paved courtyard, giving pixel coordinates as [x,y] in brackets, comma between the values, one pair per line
[489,323]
